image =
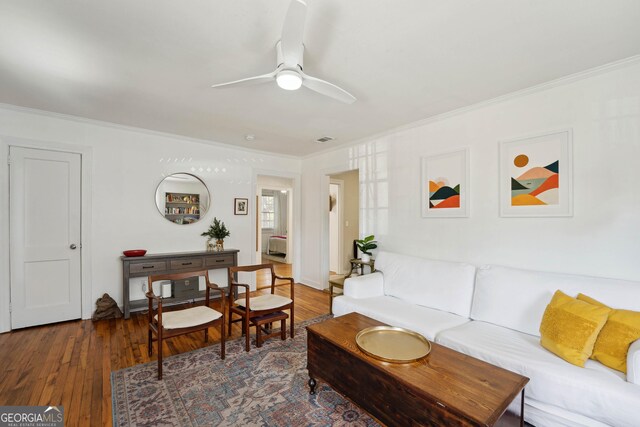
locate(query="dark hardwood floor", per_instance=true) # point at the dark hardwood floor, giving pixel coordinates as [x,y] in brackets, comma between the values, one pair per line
[70,363]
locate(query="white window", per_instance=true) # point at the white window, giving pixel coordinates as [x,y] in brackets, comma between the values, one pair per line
[268,212]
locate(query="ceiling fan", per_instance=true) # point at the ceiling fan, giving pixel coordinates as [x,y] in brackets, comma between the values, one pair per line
[290,51]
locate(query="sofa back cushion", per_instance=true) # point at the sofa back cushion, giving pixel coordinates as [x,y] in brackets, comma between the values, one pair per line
[443,285]
[516,299]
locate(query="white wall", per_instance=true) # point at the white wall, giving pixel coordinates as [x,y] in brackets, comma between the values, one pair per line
[127,165]
[601,239]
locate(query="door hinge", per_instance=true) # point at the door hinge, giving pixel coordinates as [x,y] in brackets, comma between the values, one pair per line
[9,160]
[10,308]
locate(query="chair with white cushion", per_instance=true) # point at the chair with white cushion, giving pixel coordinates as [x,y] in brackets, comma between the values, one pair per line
[169,324]
[263,310]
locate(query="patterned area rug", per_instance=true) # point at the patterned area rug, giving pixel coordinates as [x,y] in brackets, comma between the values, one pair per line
[265,387]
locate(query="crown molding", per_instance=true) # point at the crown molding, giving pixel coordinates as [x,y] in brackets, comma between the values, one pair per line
[101,123]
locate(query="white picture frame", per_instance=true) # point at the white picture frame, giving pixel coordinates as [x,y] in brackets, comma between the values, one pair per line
[536,175]
[445,184]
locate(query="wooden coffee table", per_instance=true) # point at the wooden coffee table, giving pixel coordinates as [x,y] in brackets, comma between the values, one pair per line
[444,388]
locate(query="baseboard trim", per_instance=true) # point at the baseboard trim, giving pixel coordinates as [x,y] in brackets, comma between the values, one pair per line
[311,283]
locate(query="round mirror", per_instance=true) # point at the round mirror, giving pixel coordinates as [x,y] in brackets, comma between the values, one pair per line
[182,198]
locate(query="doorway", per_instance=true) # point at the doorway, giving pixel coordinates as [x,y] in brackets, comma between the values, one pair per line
[274,225]
[45,236]
[344,220]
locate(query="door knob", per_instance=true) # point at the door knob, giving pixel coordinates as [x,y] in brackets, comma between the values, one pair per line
[73,246]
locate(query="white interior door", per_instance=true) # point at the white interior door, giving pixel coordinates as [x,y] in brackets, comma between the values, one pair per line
[44,236]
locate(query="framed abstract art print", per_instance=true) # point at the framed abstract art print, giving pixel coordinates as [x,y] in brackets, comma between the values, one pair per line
[536,175]
[445,185]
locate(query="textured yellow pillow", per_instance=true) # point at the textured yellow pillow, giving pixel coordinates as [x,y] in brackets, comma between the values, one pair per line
[620,331]
[569,327]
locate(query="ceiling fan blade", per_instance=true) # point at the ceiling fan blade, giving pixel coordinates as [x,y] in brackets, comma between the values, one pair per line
[265,78]
[328,89]
[292,32]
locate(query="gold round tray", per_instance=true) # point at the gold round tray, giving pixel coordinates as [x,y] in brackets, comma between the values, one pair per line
[392,344]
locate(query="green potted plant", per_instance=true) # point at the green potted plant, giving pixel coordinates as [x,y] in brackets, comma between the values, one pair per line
[217,230]
[366,245]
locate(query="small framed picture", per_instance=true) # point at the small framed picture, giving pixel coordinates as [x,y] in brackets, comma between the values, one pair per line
[241,206]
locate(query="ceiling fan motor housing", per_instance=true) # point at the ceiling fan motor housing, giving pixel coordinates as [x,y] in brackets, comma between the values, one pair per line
[280,58]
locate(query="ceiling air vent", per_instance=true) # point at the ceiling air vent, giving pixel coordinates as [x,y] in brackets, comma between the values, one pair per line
[324,139]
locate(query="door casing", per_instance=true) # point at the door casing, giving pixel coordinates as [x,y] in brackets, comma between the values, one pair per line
[45,235]
[86,153]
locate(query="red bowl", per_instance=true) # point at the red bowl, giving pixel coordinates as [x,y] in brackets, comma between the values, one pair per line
[135,252]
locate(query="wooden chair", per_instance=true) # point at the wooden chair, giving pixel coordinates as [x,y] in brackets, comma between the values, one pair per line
[263,310]
[163,325]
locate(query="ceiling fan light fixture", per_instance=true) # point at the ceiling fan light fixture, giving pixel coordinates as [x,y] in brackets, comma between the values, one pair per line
[289,74]
[289,80]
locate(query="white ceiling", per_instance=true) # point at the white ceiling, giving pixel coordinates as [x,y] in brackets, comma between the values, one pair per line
[150,63]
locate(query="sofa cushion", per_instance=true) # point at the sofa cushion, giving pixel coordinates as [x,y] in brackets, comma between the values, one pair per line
[620,331]
[395,312]
[570,327]
[541,414]
[443,285]
[594,391]
[633,363]
[516,298]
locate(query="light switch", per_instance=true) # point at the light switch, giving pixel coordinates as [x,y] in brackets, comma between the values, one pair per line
[346,223]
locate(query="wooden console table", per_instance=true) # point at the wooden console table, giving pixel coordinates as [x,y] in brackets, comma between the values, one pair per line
[177,262]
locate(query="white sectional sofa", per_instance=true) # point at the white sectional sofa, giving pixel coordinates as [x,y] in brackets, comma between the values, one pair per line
[494,314]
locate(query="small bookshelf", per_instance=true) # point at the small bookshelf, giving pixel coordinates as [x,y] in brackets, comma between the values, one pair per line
[182,208]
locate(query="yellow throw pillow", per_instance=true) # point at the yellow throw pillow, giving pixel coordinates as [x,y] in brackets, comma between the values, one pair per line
[620,331]
[569,327]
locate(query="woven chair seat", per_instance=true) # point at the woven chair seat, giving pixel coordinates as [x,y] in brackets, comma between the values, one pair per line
[265,302]
[260,310]
[189,317]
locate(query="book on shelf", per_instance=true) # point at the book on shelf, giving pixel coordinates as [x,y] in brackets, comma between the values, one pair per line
[193,199]
[193,210]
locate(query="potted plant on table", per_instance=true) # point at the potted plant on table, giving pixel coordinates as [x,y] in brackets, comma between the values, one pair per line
[217,230]
[366,245]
